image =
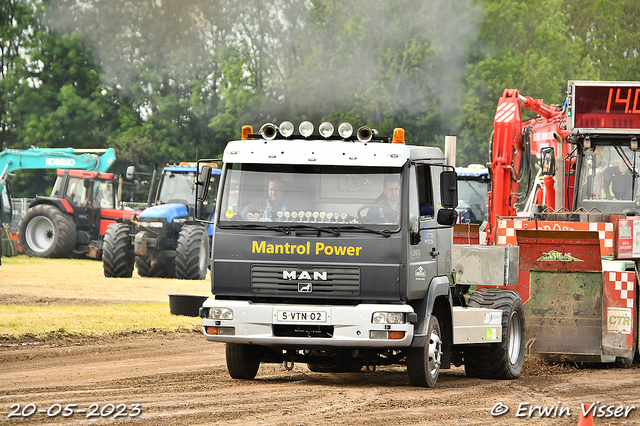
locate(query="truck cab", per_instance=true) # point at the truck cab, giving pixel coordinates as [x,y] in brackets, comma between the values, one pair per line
[335,251]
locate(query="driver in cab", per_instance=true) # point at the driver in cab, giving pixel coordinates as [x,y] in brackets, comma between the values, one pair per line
[389,202]
[267,207]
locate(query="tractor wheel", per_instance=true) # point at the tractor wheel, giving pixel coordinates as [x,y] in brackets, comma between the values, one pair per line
[502,360]
[117,251]
[192,254]
[45,231]
[148,268]
[243,361]
[423,364]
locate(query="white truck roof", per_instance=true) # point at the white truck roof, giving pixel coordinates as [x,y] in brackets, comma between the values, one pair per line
[327,152]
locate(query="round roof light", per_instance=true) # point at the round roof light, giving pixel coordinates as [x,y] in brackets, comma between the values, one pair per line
[326,129]
[345,130]
[306,128]
[286,128]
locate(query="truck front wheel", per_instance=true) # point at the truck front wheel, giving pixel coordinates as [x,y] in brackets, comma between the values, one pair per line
[45,231]
[502,360]
[423,364]
[117,252]
[243,361]
[192,254]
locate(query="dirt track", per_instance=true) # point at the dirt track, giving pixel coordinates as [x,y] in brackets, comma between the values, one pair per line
[179,379]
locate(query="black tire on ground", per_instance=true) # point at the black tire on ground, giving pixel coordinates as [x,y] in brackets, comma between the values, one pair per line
[192,254]
[45,231]
[148,268]
[243,361]
[117,252]
[423,364]
[502,360]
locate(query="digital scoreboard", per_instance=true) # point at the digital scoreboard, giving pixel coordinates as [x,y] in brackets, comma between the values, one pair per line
[603,106]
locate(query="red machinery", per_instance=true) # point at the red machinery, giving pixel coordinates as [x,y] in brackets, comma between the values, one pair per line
[579,238]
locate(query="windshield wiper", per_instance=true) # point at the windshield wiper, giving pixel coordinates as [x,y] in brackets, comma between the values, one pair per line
[384,232]
[283,229]
[318,228]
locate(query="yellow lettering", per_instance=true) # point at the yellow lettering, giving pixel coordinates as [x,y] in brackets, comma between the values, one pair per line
[351,251]
[279,249]
[358,251]
[319,248]
[328,250]
[301,250]
[257,248]
[270,248]
[340,250]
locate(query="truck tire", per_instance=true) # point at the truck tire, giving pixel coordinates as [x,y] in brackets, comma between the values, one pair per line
[147,268]
[243,361]
[117,252]
[192,254]
[502,360]
[45,231]
[423,364]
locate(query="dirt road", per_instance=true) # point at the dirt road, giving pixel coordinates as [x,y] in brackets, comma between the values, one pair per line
[179,379]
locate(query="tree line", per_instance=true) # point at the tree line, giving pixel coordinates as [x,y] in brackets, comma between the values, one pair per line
[166,80]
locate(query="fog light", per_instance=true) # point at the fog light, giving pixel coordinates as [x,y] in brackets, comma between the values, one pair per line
[325,129]
[306,128]
[377,334]
[345,130]
[220,331]
[388,318]
[286,128]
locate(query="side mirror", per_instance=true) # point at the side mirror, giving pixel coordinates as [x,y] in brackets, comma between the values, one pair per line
[548,160]
[447,217]
[202,183]
[131,170]
[448,190]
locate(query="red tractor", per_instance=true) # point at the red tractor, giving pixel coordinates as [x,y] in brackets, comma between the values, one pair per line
[577,223]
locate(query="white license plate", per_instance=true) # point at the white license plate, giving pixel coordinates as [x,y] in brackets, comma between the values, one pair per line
[302,316]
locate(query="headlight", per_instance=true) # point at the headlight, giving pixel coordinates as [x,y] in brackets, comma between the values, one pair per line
[220,313]
[388,318]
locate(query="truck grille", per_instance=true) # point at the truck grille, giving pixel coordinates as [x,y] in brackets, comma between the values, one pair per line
[312,281]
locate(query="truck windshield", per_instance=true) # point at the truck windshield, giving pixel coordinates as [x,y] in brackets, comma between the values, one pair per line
[313,194]
[609,175]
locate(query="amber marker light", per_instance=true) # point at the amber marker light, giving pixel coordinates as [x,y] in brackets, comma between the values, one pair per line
[246,131]
[398,135]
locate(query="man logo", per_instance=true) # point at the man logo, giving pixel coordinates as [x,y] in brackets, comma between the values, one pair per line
[304,275]
[304,288]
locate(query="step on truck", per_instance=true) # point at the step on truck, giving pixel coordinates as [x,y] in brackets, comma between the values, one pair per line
[335,251]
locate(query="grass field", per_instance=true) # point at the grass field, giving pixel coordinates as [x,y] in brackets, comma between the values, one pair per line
[40,296]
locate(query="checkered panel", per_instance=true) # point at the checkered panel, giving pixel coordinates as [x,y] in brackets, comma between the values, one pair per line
[506,232]
[621,286]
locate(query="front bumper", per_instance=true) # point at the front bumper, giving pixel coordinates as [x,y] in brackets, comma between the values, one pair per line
[351,326]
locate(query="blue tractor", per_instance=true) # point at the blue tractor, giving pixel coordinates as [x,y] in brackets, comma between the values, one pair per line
[164,240]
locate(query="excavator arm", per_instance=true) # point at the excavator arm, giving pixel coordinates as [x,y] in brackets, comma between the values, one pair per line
[55,158]
[513,143]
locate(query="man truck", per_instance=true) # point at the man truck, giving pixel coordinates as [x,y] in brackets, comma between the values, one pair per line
[334,276]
